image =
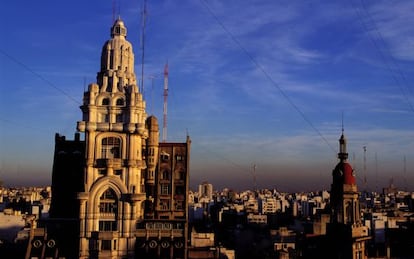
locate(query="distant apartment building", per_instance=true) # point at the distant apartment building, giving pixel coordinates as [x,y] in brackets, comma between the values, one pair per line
[205,192]
[270,205]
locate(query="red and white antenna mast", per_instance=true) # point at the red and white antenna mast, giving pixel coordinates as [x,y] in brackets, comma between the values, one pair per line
[164,125]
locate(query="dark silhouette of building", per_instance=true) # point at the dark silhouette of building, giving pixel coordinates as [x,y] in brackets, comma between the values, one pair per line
[346,234]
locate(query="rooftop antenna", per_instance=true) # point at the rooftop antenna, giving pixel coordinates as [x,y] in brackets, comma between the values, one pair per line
[376,173]
[164,125]
[114,10]
[405,173]
[143,24]
[365,166]
[254,177]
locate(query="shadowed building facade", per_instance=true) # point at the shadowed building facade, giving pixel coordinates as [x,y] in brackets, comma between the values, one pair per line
[120,192]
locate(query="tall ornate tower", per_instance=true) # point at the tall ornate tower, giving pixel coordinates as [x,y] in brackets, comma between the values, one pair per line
[115,135]
[119,193]
[345,232]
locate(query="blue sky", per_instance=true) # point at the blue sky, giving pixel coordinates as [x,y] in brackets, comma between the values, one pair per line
[252,82]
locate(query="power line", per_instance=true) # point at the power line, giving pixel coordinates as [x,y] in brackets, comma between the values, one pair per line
[276,85]
[393,68]
[39,76]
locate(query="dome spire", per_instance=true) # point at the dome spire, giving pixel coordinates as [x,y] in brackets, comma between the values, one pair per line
[342,155]
[118,29]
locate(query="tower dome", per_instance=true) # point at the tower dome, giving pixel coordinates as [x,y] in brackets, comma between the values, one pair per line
[118,29]
[344,173]
[117,61]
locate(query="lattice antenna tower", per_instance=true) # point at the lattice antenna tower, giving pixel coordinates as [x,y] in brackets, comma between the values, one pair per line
[143,25]
[114,9]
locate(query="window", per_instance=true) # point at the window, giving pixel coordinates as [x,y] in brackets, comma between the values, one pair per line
[119,118]
[108,202]
[165,157]
[102,171]
[106,245]
[107,225]
[181,175]
[165,175]
[165,189]
[111,59]
[105,117]
[179,205]
[179,190]
[108,211]
[105,101]
[111,148]
[118,171]
[120,102]
[179,158]
[164,204]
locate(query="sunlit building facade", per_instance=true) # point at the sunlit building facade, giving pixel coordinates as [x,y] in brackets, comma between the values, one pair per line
[119,192]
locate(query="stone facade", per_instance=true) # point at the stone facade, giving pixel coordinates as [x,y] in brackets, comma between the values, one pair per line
[123,192]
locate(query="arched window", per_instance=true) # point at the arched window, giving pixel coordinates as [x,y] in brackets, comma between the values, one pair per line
[165,175]
[111,147]
[105,101]
[108,211]
[120,102]
[348,212]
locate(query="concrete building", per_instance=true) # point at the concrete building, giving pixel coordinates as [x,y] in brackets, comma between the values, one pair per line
[119,192]
[205,192]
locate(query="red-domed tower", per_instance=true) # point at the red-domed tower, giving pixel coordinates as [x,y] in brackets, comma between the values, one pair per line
[344,194]
[346,234]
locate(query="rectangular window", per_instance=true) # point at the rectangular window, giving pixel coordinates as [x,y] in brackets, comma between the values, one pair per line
[111,148]
[164,204]
[106,245]
[165,157]
[108,207]
[165,189]
[165,175]
[179,190]
[119,118]
[179,205]
[179,158]
[107,226]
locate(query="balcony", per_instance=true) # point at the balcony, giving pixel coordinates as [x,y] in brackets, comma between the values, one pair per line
[108,162]
[157,233]
[104,235]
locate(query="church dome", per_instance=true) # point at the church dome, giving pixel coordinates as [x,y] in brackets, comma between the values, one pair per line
[345,172]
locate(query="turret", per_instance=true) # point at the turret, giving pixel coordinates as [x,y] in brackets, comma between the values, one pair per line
[152,148]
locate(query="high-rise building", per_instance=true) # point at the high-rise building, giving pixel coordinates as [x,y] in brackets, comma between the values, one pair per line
[119,192]
[346,234]
[205,192]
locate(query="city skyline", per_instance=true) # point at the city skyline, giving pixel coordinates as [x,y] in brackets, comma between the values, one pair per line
[265,84]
